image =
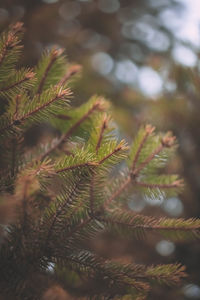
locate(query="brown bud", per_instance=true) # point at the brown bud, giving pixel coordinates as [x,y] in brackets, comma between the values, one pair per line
[56,293]
[149,129]
[168,140]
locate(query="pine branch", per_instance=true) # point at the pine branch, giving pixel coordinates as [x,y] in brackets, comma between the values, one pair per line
[62,204]
[87,164]
[73,70]
[65,137]
[177,183]
[10,43]
[166,142]
[116,279]
[29,75]
[103,127]
[117,193]
[121,220]
[136,171]
[92,195]
[9,50]
[80,226]
[60,210]
[117,149]
[61,94]
[149,129]
[54,54]
[170,274]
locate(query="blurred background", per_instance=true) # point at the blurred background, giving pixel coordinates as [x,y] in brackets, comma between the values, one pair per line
[143,55]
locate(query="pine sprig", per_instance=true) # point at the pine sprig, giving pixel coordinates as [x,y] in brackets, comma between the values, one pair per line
[10,49]
[22,79]
[127,223]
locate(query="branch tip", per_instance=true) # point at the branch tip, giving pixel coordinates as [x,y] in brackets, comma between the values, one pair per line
[149,129]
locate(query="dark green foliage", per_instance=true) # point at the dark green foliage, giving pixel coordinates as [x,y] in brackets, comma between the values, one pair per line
[59,195]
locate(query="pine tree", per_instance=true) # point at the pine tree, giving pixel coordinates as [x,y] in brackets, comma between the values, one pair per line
[61,194]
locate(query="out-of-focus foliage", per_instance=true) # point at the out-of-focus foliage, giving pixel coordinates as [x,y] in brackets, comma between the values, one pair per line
[122,28]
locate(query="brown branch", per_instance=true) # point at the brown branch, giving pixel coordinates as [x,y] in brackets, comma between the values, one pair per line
[37,109]
[149,129]
[63,139]
[13,159]
[58,96]
[150,227]
[166,142]
[79,226]
[117,149]
[73,70]
[92,195]
[27,77]
[103,127]
[177,183]
[17,98]
[8,44]
[55,53]
[136,171]
[118,192]
[59,212]
[11,40]
[86,164]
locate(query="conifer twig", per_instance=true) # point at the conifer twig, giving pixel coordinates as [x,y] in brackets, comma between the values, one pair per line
[149,129]
[71,72]
[118,192]
[27,77]
[37,109]
[103,127]
[79,226]
[86,164]
[92,195]
[153,225]
[55,53]
[13,159]
[64,138]
[117,149]
[177,183]
[166,142]
[59,211]
[11,41]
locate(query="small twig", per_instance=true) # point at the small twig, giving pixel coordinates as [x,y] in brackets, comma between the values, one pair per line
[103,127]
[73,70]
[65,136]
[177,183]
[37,109]
[118,192]
[86,164]
[11,41]
[166,142]
[92,195]
[27,77]
[58,212]
[13,157]
[79,226]
[136,171]
[15,115]
[149,227]
[55,53]
[117,149]
[149,129]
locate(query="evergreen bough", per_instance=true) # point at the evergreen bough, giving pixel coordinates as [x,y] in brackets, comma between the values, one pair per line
[60,195]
